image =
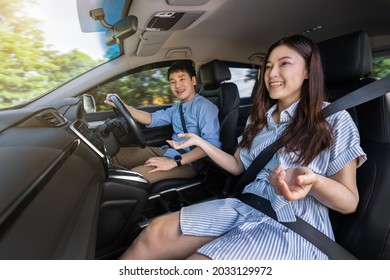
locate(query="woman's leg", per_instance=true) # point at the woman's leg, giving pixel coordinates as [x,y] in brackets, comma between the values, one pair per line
[163,239]
[197,256]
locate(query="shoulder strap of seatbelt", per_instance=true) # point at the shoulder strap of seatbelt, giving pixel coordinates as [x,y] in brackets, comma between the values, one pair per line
[361,95]
[183,121]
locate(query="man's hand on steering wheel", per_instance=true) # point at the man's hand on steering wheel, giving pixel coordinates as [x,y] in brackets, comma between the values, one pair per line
[120,109]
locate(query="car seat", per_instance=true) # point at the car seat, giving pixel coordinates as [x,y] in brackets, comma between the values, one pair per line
[213,76]
[347,65]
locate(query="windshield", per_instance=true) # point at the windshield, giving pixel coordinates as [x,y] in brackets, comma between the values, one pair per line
[42,46]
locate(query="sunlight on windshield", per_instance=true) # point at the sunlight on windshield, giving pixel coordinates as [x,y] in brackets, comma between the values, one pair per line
[42,47]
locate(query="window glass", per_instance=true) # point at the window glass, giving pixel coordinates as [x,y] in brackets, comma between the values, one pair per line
[244,78]
[381,66]
[144,86]
[41,49]
[148,85]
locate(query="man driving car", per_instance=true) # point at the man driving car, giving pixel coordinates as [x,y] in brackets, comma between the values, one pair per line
[194,113]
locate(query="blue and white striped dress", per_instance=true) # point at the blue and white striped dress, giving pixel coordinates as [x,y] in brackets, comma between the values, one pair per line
[245,233]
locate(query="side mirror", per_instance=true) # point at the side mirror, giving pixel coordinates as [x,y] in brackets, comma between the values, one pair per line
[119,31]
[89,104]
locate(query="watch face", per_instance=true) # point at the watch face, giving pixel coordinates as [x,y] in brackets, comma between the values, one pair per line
[177,159]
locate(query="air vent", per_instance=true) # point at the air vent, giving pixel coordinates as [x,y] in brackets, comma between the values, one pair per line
[52,118]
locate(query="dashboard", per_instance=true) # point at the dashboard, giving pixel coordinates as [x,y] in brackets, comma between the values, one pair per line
[51,183]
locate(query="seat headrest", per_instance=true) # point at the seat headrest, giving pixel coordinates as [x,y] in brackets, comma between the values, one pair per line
[213,73]
[346,58]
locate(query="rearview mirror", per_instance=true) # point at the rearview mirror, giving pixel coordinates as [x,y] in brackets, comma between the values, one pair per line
[123,29]
[119,31]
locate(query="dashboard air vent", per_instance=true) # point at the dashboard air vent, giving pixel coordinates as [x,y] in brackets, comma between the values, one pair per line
[52,118]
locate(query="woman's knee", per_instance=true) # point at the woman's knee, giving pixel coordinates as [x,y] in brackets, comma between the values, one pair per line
[163,230]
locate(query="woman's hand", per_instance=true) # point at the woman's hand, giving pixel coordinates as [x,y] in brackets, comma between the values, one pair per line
[292,183]
[190,139]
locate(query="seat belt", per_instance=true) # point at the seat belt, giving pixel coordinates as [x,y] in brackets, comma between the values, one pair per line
[184,125]
[331,248]
[327,245]
[183,121]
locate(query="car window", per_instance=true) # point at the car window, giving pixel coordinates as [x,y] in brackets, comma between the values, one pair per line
[244,77]
[140,87]
[148,85]
[381,66]
[39,52]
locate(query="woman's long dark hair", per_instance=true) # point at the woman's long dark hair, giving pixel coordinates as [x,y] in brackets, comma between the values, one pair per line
[308,133]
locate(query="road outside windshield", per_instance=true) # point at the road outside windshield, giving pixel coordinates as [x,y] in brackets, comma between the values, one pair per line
[42,47]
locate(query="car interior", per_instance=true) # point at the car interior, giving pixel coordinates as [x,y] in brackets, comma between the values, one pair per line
[61,197]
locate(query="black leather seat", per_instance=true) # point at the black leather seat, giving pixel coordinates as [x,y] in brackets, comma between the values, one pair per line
[347,64]
[213,76]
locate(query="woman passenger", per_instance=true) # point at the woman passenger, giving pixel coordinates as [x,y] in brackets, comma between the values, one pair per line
[314,169]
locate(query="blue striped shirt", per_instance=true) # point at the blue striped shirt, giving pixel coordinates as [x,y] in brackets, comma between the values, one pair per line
[245,233]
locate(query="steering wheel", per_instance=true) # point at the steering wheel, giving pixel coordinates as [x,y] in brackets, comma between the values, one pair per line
[120,110]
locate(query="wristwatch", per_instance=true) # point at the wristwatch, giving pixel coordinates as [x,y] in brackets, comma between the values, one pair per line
[177,159]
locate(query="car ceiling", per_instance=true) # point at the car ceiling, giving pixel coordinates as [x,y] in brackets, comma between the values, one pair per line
[248,25]
[252,25]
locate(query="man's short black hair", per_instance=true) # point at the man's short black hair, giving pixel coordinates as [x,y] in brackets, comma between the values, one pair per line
[182,66]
